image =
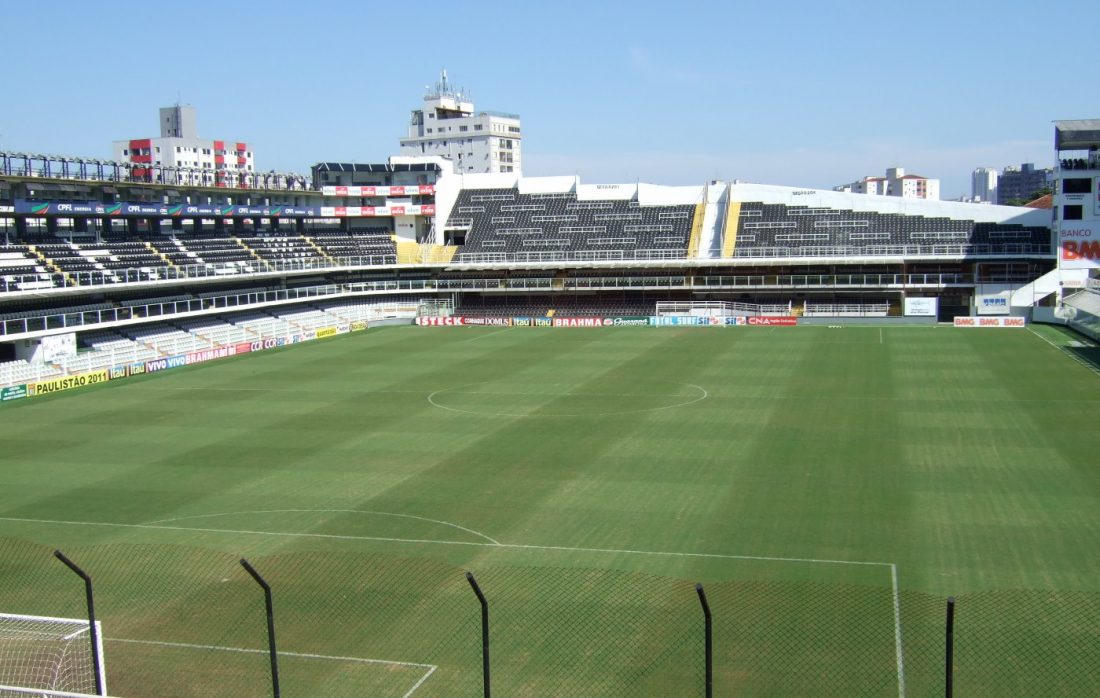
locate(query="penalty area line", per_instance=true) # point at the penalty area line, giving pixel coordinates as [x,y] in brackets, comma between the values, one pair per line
[477,544]
[300,655]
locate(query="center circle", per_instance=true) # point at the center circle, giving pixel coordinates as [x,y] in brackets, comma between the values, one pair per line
[600,398]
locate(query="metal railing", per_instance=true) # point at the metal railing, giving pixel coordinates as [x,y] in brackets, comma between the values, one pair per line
[82,319]
[57,167]
[230,301]
[955,250]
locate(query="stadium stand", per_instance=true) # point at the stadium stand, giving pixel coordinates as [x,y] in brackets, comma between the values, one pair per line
[504,221]
[365,241]
[21,270]
[778,230]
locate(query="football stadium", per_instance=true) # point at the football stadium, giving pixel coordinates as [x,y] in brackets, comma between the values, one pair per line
[404,429]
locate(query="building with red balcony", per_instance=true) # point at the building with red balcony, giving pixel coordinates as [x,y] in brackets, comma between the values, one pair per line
[200,161]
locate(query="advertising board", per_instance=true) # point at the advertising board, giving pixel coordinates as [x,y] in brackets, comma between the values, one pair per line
[58,346]
[921,307]
[13,392]
[1079,245]
[774,320]
[56,385]
[992,303]
[578,321]
[972,321]
[451,321]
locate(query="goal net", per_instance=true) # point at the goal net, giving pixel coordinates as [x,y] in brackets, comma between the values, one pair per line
[435,308]
[44,656]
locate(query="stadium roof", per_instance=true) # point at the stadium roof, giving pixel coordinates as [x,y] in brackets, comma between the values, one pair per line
[1079,134]
[377,167]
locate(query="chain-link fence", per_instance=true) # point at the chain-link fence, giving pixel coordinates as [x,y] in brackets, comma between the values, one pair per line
[190,621]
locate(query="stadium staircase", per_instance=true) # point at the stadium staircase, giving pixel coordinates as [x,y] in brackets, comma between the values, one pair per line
[697,227]
[252,252]
[733,222]
[49,264]
[1051,282]
[320,250]
[169,262]
[407,252]
[431,253]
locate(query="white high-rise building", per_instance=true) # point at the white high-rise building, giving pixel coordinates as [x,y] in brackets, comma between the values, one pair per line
[983,185]
[205,162]
[895,183]
[446,125]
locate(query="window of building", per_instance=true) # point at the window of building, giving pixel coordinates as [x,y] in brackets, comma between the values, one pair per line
[429,130]
[1072,212]
[463,128]
[158,149]
[1077,185]
[177,149]
[125,151]
[477,127]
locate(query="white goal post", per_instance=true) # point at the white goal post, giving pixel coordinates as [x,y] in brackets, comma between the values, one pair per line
[45,656]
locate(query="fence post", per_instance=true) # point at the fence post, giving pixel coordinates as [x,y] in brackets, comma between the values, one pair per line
[484,632]
[708,630]
[97,661]
[270,625]
[949,649]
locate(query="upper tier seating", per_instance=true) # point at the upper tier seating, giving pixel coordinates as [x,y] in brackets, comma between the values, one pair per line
[359,241]
[528,226]
[778,230]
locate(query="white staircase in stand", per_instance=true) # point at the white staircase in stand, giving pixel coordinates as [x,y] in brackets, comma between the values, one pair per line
[1051,282]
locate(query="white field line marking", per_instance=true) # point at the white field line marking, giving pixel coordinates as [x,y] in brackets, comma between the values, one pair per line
[424,678]
[478,544]
[897,631]
[515,546]
[1066,352]
[457,390]
[326,511]
[301,655]
[246,650]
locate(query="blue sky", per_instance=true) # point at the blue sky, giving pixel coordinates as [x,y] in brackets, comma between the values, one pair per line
[798,93]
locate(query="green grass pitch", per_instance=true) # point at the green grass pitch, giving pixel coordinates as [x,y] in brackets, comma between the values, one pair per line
[829,487]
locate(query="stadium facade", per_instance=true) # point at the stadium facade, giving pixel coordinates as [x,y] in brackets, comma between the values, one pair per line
[111,268]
